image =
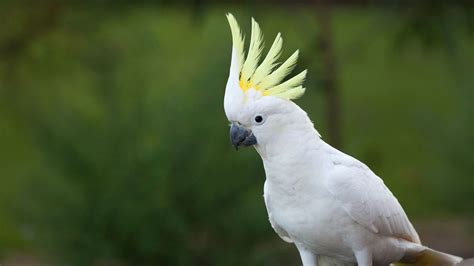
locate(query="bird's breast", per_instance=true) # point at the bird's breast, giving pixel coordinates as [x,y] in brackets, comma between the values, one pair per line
[308,216]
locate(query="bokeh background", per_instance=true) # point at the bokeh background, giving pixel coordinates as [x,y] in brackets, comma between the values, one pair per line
[114,146]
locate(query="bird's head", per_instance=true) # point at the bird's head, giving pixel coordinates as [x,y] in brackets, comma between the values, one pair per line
[257,100]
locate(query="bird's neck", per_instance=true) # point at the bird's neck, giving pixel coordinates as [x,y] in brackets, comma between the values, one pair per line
[287,158]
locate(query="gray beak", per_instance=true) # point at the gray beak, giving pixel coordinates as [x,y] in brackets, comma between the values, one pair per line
[240,136]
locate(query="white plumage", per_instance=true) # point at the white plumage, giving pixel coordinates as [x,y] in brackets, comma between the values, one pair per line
[330,205]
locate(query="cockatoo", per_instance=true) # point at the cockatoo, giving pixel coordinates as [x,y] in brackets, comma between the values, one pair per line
[329,204]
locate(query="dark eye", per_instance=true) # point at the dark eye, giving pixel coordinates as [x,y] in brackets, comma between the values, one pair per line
[258,119]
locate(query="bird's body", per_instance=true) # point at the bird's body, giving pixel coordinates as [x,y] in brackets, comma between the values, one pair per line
[330,205]
[304,195]
[307,202]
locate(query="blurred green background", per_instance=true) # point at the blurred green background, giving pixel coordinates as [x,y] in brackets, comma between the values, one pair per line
[114,142]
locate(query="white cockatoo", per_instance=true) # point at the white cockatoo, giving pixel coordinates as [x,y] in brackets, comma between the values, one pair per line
[330,205]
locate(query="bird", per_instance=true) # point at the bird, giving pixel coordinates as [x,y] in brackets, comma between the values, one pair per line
[331,206]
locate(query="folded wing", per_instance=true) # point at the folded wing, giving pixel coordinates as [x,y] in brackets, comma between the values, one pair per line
[367,200]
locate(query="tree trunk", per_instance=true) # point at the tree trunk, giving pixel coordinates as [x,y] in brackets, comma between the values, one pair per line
[329,73]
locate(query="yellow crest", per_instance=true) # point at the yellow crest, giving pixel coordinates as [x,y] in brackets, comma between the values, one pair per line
[266,77]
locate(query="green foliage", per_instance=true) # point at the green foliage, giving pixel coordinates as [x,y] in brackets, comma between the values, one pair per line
[115,147]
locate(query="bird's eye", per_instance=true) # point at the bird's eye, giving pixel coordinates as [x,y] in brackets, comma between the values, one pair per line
[258,119]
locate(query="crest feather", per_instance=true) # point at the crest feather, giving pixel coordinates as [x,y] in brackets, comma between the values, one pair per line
[237,39]
[293,93]
[264,77]
[270,60]
[287,85]
[255,50]
[280,73]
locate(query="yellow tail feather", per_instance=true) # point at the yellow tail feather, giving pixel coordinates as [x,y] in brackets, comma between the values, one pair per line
[430,257]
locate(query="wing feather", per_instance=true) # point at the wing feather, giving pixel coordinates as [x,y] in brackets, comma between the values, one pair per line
[367,200]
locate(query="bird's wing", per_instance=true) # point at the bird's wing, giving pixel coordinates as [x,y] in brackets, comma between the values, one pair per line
[366,199]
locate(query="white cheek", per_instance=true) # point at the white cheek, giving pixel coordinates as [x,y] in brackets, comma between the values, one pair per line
[262,132]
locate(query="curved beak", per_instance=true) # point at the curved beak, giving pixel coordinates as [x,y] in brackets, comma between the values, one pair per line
[240,136]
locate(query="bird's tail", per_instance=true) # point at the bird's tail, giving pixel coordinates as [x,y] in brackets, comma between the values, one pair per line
[435,258]
[422,255]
